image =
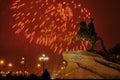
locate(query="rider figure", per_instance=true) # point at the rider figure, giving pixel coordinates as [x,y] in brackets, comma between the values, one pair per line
[91,29]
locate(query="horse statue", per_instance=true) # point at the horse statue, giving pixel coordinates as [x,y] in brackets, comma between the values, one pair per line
[87,33]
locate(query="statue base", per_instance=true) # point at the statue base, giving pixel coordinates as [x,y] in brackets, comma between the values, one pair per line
[88,65]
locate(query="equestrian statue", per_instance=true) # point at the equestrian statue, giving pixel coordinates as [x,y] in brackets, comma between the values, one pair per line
[87,33]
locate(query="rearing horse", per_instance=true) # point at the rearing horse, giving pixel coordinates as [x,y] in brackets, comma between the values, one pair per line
[85,34]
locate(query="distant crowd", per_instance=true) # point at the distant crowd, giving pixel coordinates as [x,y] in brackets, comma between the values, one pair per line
[10,76]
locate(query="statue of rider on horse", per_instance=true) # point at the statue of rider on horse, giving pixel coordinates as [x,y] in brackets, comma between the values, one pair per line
[87,33]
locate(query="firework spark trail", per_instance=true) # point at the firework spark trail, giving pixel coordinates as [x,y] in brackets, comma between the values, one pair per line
[50,23]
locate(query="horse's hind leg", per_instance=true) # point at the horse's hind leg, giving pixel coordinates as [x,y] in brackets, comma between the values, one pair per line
[102,45]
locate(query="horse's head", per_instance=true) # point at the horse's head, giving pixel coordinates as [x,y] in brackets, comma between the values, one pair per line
[82,23]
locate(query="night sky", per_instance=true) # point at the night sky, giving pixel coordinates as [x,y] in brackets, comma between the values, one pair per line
[106,14]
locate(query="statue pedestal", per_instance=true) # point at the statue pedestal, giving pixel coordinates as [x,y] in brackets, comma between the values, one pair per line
[88,65]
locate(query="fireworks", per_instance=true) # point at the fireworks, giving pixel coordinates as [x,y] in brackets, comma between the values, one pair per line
[49,23]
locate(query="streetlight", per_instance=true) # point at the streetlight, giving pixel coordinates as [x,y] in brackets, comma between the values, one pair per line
[23,63]
[64,62]
[1,64]
[64,66]
[38,65]
[43,58]
[10,65]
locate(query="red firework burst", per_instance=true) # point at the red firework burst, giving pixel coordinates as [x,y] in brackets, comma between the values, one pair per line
[50,23]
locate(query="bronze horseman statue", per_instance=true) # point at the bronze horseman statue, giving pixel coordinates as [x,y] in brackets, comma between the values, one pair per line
[87,33]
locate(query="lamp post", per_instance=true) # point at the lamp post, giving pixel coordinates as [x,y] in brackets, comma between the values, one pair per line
[1,64]
[23,63]
[10,65]
[43,58]
[63,68]
[38,67]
